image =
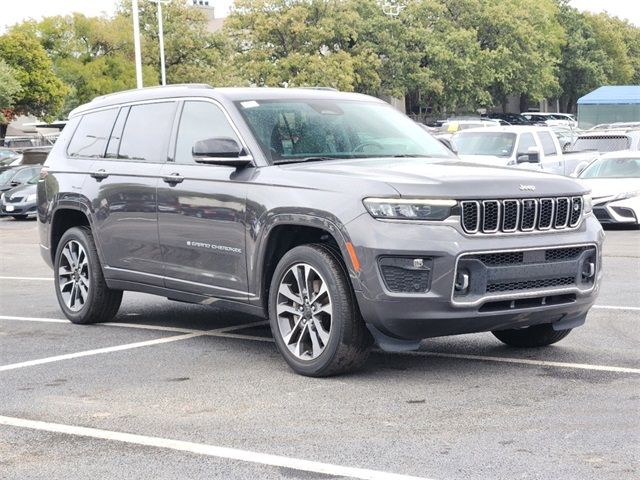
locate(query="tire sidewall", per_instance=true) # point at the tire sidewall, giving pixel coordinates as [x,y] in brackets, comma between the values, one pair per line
[78,235]
[340,309]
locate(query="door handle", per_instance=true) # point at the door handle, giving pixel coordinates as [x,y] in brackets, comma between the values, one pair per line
[99,174]
[173,179]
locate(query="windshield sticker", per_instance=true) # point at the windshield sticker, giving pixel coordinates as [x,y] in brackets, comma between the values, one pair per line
[250,104]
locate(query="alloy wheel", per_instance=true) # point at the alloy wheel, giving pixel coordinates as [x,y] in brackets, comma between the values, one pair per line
[304,311]
[73,275]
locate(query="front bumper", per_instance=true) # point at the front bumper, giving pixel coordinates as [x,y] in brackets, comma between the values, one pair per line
[437,312]
[22,208]
[618,212]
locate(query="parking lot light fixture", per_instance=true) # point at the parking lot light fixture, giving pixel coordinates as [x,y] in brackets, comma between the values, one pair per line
[163,73]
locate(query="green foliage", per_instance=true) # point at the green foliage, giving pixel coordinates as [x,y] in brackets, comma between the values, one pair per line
[42,91]
[9,90]
[598,50]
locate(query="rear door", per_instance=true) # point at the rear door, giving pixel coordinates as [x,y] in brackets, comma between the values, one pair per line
[550,156]
[201,211]
[123,187]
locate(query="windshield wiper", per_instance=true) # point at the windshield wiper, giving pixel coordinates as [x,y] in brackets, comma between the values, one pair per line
[412,155]
[307,159]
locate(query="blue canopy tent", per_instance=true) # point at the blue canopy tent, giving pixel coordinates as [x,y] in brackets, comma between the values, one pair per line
[615,103]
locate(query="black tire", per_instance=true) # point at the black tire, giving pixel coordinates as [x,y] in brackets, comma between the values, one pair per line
[349,343]
[102,303]
[19,217]
[531,337]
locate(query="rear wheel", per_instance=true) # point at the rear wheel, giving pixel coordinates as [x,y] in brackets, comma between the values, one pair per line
[80,286]
[530,337]
[313,314]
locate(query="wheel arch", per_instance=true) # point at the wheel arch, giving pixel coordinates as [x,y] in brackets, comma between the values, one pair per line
[64,217]
[286,231]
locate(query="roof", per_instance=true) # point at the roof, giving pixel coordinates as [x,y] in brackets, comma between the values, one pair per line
[613,94]
[509,129]
[231,94]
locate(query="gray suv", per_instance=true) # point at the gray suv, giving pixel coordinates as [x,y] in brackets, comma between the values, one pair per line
[332,214]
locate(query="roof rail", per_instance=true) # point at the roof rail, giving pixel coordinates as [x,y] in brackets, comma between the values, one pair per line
[155,87]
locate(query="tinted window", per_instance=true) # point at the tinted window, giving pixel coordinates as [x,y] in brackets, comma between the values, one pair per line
[526,141]
[90,138]
[200,121]
[548,147]
[147,131]
[116,134]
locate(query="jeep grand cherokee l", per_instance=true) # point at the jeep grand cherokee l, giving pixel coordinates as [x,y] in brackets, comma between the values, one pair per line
[330,213]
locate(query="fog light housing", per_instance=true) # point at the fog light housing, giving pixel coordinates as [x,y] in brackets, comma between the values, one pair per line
[406,274]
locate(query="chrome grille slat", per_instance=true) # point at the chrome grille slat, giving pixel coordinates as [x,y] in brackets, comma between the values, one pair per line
[520,215]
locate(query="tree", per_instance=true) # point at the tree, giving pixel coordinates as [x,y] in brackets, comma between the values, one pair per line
[192,53]
[9,89]
[42,91]
[594,53]
[92,55]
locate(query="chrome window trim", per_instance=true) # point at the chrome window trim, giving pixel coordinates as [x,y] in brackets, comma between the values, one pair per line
[249,155]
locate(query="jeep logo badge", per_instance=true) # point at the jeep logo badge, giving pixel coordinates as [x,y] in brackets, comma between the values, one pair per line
[530,188]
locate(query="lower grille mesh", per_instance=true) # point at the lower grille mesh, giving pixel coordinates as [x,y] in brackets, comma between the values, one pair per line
[530,284]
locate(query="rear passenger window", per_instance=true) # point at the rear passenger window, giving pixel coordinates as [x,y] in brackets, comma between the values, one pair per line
[147,131]
[91,136]
[548,146]
[200,121]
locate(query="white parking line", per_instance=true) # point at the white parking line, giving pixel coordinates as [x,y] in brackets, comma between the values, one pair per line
[226,332]
[208,450]
[98,351]
[44,279]
[526,361]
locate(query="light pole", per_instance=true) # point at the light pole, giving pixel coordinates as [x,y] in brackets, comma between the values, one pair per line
[136,42]
[163,73]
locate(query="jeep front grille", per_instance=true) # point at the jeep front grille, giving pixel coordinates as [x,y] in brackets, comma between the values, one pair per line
[520,215]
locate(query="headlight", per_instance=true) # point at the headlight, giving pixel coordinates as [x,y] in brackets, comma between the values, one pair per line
[588,203]
[625,195]
[409,208]
[32,197]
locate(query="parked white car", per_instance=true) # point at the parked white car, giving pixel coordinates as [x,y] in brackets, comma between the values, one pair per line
[614,180]
[552,118]
[534,148]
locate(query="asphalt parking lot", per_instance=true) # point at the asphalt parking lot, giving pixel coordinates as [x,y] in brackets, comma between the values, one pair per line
[172,390]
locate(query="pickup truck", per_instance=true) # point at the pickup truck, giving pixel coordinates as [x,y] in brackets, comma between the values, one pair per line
[531,148]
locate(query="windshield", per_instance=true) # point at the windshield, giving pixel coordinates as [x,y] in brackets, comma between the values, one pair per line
[6,176]
[297,130]
[498,144]
[613,168]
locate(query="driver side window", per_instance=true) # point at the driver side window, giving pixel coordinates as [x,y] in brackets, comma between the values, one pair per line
[200,121]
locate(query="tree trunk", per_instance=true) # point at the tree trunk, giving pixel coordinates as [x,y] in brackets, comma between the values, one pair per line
[3,132]
[524,102]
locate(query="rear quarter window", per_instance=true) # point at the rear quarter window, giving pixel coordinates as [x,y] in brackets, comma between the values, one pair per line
[92,134]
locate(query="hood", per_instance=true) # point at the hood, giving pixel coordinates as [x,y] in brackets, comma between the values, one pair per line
[21,191]
[442,178]
[610,187]
[485,160]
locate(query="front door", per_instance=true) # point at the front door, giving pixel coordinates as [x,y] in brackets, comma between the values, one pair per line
[201,211]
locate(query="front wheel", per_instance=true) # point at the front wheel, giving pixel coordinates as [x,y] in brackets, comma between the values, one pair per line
[313,314]
[82,292]
[531,337]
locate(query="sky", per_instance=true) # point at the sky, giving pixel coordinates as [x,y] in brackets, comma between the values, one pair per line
[15,11]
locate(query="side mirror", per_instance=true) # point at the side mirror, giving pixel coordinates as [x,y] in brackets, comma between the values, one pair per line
[15,183]
[532,156]
[220,151]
